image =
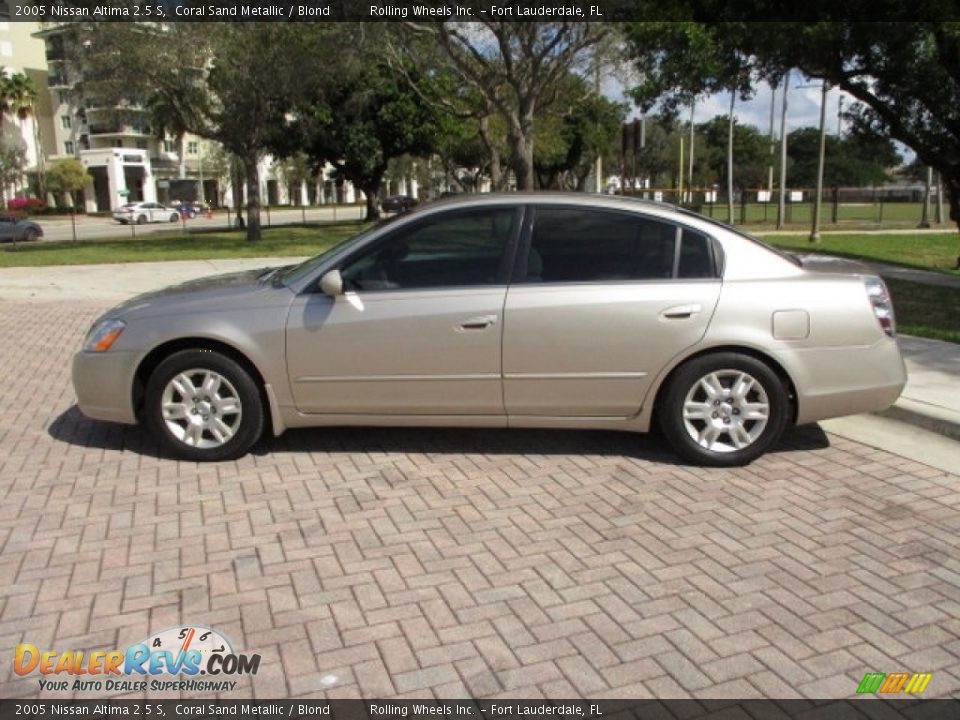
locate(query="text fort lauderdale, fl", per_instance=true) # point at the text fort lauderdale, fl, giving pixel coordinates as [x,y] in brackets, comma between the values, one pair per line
[511,11]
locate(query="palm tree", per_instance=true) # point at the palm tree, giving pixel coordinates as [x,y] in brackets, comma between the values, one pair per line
[18,97]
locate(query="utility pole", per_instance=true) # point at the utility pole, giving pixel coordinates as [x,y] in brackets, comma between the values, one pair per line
[680,182]
[815,232]
[773,144]
[733,99]
[598,167]
[782,204]
[693,106]
[200,169]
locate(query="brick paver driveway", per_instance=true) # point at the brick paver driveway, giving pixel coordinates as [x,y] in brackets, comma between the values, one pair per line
[418,562]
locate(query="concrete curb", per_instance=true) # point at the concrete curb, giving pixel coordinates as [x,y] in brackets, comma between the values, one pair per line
[924,415]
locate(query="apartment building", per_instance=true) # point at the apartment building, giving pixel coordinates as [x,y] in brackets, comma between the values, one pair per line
[126,160]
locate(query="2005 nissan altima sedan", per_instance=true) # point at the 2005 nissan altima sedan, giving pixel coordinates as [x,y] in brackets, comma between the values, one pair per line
[522,310]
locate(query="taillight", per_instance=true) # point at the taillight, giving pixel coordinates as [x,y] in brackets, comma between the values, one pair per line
[882,305]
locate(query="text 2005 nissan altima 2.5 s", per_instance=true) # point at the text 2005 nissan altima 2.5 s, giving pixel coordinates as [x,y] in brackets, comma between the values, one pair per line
[525,310]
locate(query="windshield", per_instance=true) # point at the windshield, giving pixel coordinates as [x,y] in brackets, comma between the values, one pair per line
[296,272]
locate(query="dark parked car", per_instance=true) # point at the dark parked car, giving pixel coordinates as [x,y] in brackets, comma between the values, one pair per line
[190,209]
[12,228]
[398,203]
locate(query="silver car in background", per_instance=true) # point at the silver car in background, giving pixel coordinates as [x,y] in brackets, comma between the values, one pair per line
[145,212]
[519,310]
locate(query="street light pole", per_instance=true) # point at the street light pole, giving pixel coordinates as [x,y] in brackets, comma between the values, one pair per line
[693,107]
[815,232]
[782,200]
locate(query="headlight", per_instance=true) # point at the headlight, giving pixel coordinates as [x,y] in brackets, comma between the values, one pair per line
[103,335]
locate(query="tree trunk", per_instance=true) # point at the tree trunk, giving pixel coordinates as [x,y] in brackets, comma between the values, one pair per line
[522,150]
[252,169]
[493,150]
[373,208]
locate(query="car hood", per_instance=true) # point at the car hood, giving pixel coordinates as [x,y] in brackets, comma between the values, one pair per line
[230,291]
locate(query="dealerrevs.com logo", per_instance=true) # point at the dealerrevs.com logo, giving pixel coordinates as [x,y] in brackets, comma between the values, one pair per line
[189,651]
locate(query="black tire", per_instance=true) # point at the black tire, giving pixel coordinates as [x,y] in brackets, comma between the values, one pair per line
[251,419]
[174,217]
[30,235]
[141,219]
[723,451]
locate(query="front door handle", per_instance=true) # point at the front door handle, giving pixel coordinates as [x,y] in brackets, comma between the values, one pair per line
[478,323]
[681,311]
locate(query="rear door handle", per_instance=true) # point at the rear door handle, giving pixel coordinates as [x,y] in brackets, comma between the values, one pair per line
[681,311]
[478,323]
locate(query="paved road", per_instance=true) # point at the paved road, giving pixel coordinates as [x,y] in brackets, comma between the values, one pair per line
[99,227]
[411,562]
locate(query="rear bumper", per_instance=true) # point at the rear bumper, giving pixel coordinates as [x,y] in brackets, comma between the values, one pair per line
[103,383]
[833,382]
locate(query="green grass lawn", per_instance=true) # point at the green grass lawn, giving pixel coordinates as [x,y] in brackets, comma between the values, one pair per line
[928,251]
[276,242]
[926,310]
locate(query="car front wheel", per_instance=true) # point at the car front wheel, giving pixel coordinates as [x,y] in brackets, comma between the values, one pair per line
[203,406]
[31,235]
[724,410]
[174,217]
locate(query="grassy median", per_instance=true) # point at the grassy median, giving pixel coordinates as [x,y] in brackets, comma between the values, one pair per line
[276,242]
[926,251]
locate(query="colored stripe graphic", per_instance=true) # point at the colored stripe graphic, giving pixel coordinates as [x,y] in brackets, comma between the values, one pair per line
[912,683]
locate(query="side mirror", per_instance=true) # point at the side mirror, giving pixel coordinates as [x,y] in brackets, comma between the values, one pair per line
[331,283]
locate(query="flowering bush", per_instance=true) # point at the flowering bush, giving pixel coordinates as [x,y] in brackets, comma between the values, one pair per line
[25,205]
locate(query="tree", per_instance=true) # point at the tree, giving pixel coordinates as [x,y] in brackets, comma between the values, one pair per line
[905,72]
[577,127]
[233,83]
[750,147]
[67,177]
[362,116]
[13,159]
[18,96]
[855,160]
[514,66]
[680,61]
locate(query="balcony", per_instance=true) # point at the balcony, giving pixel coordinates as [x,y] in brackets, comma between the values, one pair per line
[57,79]
[55,52]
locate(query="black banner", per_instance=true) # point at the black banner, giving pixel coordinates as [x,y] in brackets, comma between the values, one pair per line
[484,709]
[470,10]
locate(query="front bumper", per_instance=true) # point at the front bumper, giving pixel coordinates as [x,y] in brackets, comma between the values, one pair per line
[103,383]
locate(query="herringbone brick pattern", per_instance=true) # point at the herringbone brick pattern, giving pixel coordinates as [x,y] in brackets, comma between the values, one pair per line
[452,563]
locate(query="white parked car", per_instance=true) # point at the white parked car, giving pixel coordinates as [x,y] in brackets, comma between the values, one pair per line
[144,212]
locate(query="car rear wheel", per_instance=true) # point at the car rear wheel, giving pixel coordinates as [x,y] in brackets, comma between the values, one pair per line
[141,219]
[724,410]
[203,406]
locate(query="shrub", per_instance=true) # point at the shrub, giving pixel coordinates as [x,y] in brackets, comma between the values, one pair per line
[25,205]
